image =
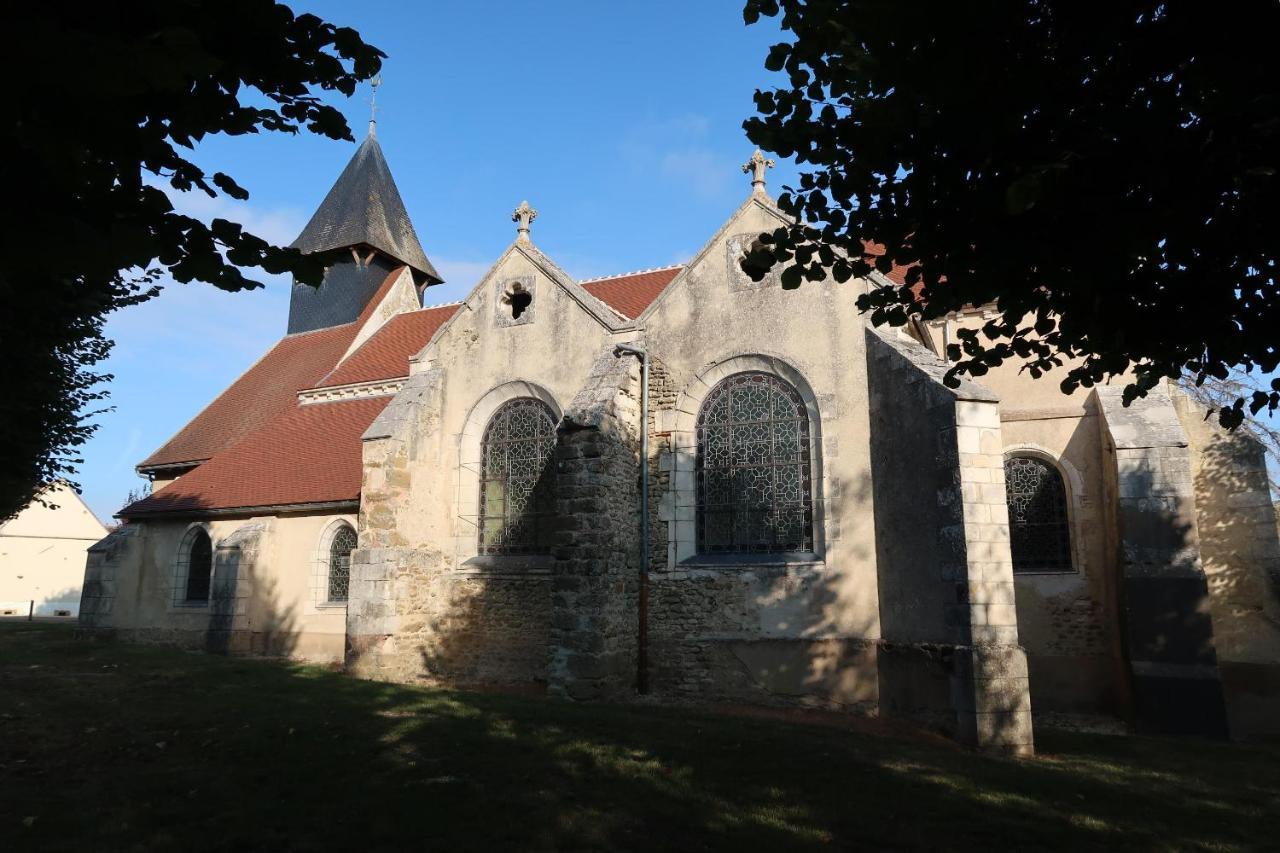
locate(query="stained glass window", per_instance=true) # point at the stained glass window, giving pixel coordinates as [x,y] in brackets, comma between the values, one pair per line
[1038,533]
[344,542]
[754,490]
[517,479]
[199,565]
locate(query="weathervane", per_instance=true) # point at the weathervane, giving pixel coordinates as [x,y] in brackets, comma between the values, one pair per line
[373,103]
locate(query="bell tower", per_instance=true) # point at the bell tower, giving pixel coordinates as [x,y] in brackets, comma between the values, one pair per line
[363,214]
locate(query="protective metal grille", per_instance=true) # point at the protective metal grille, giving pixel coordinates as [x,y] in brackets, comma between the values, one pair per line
[199,566]
[1038,534]
[517,479]
[344,542]
[754,489]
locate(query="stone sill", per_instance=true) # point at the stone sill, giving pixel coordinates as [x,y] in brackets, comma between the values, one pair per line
[331,605]
[507,565]
[738,561]
[704,565]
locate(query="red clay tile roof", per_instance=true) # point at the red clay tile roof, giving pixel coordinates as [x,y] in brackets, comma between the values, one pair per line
[265,449]
[386,354]
[897,275]
[265,390]
[631,293]
[309,454]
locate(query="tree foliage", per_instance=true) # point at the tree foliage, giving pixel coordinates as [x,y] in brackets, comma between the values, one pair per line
[1103,174]
[113,98]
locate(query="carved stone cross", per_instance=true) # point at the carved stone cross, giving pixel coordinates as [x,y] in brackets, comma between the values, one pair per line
[524,214]
[756,166]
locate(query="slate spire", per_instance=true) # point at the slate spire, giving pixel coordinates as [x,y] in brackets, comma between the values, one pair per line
[364,209]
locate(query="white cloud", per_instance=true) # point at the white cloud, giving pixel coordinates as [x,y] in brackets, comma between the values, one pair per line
[678,151]
[278,225]
[699,168]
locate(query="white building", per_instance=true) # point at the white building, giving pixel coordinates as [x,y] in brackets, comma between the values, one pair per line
[42,553]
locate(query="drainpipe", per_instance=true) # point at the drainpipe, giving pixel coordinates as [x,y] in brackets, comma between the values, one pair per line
[642,638]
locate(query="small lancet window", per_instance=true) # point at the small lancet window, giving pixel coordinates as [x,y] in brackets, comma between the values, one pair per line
[344,542]
[199,553]
[1039,533]
[517,479]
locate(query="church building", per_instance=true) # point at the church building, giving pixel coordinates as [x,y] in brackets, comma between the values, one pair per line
[686,483]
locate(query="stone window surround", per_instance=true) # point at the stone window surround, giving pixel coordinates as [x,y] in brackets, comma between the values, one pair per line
[466,497]
[527,283]
[320,564]
[181,565]
[1074,484]
[682,536]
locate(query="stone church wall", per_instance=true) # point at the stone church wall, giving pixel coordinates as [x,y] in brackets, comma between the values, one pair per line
[1240,552]
[261,600]
[950,655]
[1068,621]
[414,615]
[793,629]
[425,605]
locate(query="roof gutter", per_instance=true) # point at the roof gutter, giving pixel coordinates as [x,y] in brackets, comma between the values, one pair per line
[223,512]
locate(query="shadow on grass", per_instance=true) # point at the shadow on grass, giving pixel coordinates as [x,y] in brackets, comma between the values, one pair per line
[114,746]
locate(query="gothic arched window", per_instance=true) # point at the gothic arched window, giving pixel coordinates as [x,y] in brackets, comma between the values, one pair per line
[1039,535]
[754,483]
[197,552]
[517,479]
[340,548]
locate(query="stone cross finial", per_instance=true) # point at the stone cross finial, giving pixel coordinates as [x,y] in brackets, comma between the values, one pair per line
[756,166]
[524,214]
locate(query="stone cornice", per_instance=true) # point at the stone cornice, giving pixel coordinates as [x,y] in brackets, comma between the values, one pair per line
[353,391]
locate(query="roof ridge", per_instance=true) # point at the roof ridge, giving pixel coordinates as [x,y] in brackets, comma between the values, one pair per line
[317,331]
[437,305]
[629,274]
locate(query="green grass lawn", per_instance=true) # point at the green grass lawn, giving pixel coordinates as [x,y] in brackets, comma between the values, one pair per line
[117,747]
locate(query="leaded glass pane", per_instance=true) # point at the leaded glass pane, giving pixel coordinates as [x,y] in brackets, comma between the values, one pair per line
[344,542]
[199,566]
[754,488]
[517,480]
[1039,537]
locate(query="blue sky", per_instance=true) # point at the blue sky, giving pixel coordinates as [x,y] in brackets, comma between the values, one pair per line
[621,123]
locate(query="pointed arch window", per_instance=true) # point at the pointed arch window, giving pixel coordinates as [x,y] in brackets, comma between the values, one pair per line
[340,548]
[1039,530]
[753,468]
[517,479]
[196,566]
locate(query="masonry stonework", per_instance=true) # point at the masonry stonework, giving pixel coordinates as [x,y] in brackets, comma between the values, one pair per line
[594,594]
[900,599]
